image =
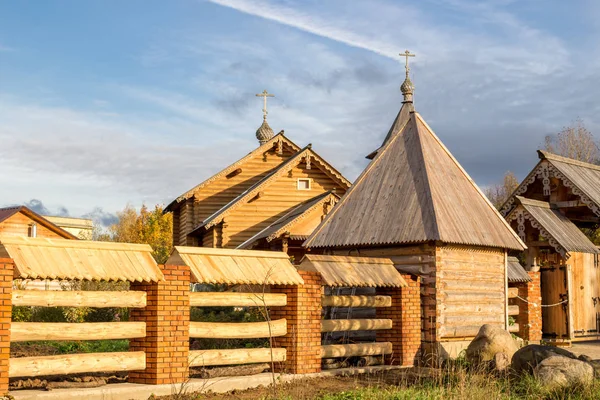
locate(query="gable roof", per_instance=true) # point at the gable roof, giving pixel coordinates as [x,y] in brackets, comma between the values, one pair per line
[562,234]
[276,140]
[583,179]
[8,212]
[253,190]
[289,219]
[414,191]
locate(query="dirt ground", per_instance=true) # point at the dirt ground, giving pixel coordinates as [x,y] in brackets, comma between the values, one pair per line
[591,349]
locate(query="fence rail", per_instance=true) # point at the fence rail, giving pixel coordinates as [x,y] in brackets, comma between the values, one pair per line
[357,301]
[66,298]
[338,325]
[351,350]
[32,331]
[200,358]
[236,299]
[238,330]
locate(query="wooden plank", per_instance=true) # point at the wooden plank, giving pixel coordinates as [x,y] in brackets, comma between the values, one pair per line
[513,328]
[339,325]
[513,292]
[77,363]
[357,301]
[237,330]
[201,358]
[33,331]
[351,350]
[235,299]
[513,310]
[65,298]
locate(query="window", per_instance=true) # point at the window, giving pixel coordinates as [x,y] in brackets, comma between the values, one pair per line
[304,184]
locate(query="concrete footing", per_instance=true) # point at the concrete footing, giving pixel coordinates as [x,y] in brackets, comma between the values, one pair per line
[134,391]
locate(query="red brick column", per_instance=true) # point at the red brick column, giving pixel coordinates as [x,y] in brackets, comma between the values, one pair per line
[405,314]
[530,315]
[167,317]
[303,315]
[6,278]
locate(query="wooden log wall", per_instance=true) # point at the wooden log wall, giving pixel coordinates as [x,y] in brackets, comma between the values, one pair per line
[66,298]
[19,225]
[357,301]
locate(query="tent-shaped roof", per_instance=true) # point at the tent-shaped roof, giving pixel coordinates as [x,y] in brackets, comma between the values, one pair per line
[40,258]
[414,191]
[347,271]
[236,267]
[289,219]
[563,234]
[7,212]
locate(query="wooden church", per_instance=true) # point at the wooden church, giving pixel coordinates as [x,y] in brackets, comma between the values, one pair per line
[415,204]
[549,209]
[272,198]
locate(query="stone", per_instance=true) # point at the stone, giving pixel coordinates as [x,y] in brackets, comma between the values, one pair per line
[501,362]
[529,357]
[489,341]
[560,371]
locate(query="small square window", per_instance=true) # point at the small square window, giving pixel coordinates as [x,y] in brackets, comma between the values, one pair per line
[303,184]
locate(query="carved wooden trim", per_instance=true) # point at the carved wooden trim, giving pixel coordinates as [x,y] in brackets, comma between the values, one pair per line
[520,215]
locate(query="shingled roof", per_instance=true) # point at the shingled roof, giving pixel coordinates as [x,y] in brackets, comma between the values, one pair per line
[414,191]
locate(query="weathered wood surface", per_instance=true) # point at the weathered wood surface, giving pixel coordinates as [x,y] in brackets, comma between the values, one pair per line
[513,310]
[238,330]
[34,331]
[513,328]
[586,286]
[236,370]
[350,350]
[66,298]
[554,283]
[513,292]
[235,299]
[357,301]
[77,363]
[337,325]
[200,358]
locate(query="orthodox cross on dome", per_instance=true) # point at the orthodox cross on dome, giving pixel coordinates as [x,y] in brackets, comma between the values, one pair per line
[407,86]
[264,95]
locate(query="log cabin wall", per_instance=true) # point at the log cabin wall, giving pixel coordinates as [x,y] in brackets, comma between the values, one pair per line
[19,225]
[277,199]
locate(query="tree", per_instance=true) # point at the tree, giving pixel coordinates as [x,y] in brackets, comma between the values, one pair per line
[500,192]
[148,226]
[574,141]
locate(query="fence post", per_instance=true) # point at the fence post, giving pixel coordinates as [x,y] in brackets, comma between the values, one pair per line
[405,314]
[530,311]
[6,279]
[167,317]
[303,315]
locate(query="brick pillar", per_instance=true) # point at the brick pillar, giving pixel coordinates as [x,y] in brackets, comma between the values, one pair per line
[303,315]
[6,278]
[167,317]
[405,314]
[530,315]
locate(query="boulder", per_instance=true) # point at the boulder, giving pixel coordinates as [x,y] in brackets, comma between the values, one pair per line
[529,357]
[489,341]
[559,371]
[501,362]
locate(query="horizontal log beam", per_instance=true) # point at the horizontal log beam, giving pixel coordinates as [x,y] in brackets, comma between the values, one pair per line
[513,292]
[67,298]
[33,331]
[357,301]
[234,299]
[77,363]
[513,310]
[338,325]
[513,328]
[352,350]
[204,358]
[238,330]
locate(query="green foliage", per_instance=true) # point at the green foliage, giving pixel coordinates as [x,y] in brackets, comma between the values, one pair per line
[91,346]
[21,314]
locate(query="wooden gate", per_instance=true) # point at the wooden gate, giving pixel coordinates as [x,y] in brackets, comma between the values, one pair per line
[554,282]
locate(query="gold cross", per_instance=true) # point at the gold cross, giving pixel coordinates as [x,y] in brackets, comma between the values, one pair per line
[264,95]
[407,54]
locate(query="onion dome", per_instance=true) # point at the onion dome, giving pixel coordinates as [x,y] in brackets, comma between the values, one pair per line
[264,133]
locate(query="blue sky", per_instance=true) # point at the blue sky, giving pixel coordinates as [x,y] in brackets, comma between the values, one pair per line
[108,102]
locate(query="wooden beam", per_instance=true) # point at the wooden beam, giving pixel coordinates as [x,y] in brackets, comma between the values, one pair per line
[338,325]
[567,204]
[201,358]
[351,350]
[238,330]
[513,310]
[235,299]
[357,301]
[513,328]
[67,298]
[77,363]
[513,292]
[33,331]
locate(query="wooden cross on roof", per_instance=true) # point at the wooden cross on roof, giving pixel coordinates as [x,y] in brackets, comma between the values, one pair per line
[264,95]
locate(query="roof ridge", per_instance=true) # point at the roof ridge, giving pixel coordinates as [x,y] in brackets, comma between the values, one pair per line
[217,216]
[551,156]
[231,167]
[471,181]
